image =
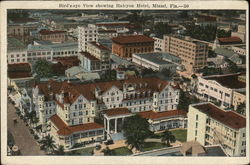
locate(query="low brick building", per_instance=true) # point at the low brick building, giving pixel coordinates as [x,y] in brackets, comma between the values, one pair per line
[125,46]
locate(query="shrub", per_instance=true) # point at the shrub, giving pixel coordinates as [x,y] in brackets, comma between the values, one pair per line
[31,131]
[36,137]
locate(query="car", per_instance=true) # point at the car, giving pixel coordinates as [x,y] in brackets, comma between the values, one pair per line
[109,142]
[98,147]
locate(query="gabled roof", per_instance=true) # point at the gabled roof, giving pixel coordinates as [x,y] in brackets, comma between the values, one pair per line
[65,130]
[74,90]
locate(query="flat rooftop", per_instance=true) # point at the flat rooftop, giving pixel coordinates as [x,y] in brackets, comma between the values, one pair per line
[132,39]
[159,58]
[230,81]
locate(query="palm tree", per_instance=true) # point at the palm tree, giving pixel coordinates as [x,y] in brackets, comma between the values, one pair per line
[60,150]
[136,130]
[169,137]
[48,144]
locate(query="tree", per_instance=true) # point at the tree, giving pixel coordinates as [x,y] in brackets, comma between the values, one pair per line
[185,100]
[136,130]
[107,151]
[210,71]
[232,67]
[241,108]
[166,72]
[48,144]
[147,72]
[169,137]
[161,29]
[43,68]
[211,54]
[31,116]
[60,150]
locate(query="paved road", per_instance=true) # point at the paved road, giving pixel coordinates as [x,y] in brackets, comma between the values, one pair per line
[23,139]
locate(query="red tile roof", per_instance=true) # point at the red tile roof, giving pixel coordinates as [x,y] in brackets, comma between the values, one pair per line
[229,118]
[15,75]
[107,31]
[158,115]
[47,32]
[132,39]
[64,129]
[73,91]
[99,46]
[89,56]
[20,70]
[68,61]
[230,40]
[117,111]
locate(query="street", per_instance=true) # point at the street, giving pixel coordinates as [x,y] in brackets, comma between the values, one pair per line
[23,139]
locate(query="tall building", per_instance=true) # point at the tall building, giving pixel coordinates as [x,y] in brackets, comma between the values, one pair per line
[193,53]
[211,125]
[125,46]
[86,34]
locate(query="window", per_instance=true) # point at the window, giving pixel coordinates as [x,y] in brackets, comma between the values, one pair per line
[243,135]
[196,125]
[195,132]
[80,113]
[75,106]
[117,98]
[197,117]
[86,112]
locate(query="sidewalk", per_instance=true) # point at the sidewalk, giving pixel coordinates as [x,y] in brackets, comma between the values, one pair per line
[23,139]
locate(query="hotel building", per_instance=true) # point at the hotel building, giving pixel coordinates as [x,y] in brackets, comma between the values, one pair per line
[78,104]
[211,125]
[193,53]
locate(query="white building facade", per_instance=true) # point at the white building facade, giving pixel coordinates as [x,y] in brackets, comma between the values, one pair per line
[210,125]
[85,35]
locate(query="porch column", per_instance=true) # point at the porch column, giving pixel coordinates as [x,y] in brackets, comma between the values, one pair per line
[105,123]
[108,126]
[122,120]
[115,125]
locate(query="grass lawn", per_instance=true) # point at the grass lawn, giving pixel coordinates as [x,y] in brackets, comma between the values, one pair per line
[180,134]
[84,151]
[153,145]
[122,151]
